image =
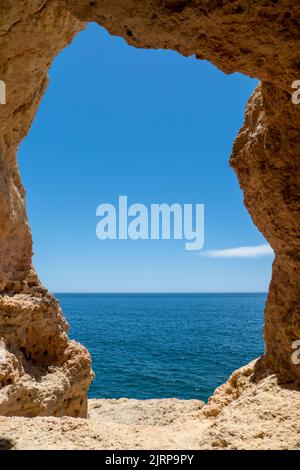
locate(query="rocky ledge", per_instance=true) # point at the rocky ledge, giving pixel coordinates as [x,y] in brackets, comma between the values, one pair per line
[241,415]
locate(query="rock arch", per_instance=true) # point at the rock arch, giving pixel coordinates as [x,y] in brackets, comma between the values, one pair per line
[42,372]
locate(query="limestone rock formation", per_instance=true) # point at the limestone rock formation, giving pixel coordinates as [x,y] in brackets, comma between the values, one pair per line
[244,415]
[41,371]
[266,159]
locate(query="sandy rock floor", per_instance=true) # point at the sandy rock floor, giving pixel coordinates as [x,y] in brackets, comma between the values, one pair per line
[266,416]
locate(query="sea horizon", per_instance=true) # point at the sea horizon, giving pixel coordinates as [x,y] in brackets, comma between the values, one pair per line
[159,293]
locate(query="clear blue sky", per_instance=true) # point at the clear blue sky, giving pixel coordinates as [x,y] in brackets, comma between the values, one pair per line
[156,127]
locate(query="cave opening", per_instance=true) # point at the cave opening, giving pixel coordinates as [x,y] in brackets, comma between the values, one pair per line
[131,123]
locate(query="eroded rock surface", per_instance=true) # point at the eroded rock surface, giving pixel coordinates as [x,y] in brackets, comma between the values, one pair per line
[266,159]
[258,416]
[41,371]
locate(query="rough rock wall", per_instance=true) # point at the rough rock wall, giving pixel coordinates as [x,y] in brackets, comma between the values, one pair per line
[42,372]
[266,159]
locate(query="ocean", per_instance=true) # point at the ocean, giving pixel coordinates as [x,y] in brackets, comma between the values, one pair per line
[165,345]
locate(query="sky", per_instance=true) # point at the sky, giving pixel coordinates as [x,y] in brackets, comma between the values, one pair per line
[158,128]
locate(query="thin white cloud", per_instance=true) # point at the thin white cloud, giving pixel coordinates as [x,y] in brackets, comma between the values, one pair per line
[241,252]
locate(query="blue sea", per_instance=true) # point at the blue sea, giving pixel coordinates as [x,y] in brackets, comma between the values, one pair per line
[165,345]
